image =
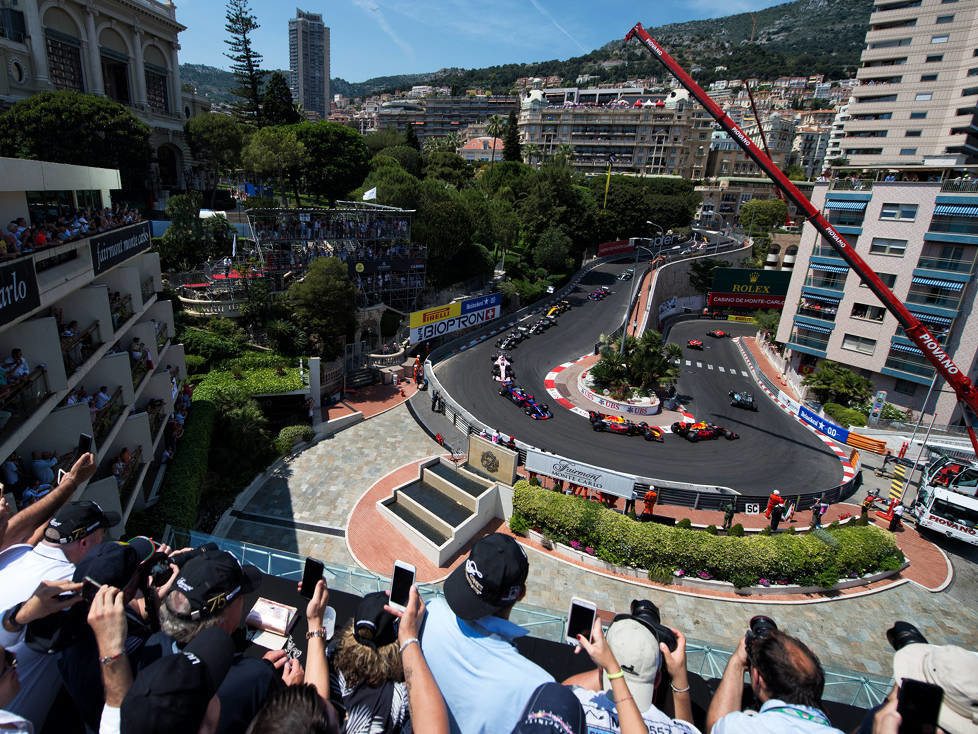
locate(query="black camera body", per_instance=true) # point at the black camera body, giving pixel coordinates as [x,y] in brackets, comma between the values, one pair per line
[159,564]
[647,614]
[759,628]
[902,634]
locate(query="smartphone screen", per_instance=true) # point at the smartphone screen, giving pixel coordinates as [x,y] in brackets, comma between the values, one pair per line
[919,704]
[401,584]
[61,475]
[84,443]
[311,574]
[580,621]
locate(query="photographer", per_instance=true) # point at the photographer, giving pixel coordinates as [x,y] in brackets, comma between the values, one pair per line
[785,677]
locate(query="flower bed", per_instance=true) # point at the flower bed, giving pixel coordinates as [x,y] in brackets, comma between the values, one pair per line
[808,560]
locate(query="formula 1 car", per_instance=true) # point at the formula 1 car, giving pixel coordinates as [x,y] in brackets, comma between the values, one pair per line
[626,274]
[743,399]
[717,333]
[502,368]
[694,344]
[617,424]
[559,308]
[598,294]
[693,432]
[508,342]
[520,396]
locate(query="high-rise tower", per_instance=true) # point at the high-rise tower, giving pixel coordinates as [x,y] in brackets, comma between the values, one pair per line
[309,62]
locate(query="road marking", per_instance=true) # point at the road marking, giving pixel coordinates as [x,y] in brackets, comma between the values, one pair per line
[699,364]
[721,369]
[710,366]
[744,373]
[688,363]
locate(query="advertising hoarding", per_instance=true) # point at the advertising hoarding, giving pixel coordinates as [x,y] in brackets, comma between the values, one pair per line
[575,472]
[749,288]
[441,320]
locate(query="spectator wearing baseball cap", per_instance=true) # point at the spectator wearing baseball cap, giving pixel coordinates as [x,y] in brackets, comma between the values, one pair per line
[468,640]
[552,708]
[74,531]
[209,592]
[952,668]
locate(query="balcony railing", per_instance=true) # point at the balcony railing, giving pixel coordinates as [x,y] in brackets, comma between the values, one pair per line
[20,398]
[103,419]
[823,314]
[949,265]
[127,472]
[807,340]
[162,335]
[957,184]
[905,362]
[139,369]
[848,184]
[156,415]
[121,306]
[148,289]
[76,349]
[828,284]
[930,298]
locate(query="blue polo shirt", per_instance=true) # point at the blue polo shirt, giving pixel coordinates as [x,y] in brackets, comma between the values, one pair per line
[483,678]
[776,717]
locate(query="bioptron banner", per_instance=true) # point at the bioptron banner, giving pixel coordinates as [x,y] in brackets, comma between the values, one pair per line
[441,320]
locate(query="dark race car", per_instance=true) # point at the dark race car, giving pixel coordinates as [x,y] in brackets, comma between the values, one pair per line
[694,432]
[717,333]
[598,294]
[617,424]
[742,399]
[522,397]
[626,274]
[694,344]
[507,342]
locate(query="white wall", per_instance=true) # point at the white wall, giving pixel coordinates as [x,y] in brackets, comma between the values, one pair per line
[39,340]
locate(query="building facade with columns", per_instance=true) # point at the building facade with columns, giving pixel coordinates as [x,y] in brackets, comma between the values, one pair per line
[126,50]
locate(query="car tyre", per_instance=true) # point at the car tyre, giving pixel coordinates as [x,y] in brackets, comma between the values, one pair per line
[692,437]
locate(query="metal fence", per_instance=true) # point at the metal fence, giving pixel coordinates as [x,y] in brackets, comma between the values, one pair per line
[702,658]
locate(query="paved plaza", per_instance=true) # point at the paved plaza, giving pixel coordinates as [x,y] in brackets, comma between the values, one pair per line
[304,507]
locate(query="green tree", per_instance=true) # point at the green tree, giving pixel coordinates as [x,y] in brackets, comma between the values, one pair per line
[337,158]
[833,382]
[701,272]
[411,138]
[552,251]
[277,106]
[408,157]
[217,140]
[795,172]
[272,151]
[768,320]
[763,215]
[448,144]
[240,24]
[324,305]
[494,128]
[555,198]
[71,127]
[189,240]
[386,137]
[449,167]
[511,141]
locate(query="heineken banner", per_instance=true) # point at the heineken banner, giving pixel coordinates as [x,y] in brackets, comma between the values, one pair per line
[749,288]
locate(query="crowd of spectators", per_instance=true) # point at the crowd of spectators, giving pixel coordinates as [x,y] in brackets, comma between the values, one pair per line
[21,238]
[290,226]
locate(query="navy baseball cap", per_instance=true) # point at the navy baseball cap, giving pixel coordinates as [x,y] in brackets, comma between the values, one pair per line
[211,581]
[552,709]
[491,578]
[372,625]
[77,520]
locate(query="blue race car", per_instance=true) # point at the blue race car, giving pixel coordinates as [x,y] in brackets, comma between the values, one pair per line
[520,396]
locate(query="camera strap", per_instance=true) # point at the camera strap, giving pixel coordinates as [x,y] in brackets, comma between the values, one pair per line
[817,716]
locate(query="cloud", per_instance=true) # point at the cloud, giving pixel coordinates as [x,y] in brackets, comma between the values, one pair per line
[371,7]
[546,14]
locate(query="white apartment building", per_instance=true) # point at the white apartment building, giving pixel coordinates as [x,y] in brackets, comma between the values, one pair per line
[916,102]
[809,147]
[837,134]
[921,238]
[108,284]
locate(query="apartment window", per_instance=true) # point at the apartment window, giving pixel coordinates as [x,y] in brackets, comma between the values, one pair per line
[873,116]
[973,72]
[928,77]
[905,387]
[157,89]
[115,75]
[860,344]
[945,18]
[889,280]
[870,313]
[909,23]
[965,111]
[924,97]
[934,58]
[918,115]
[908,151]
[913,133]
[64,62]
[876,98]
[939,39]
[862,151]
[899,211]
[886,246]
[867,134]
[896,6]
[893,42]
[969,91]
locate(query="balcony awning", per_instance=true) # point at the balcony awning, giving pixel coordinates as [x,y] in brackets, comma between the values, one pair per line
[898,347]
[823,299]
[846,206]
[956,210]
[812,327]
[935,283]
[829,268]
[931,319]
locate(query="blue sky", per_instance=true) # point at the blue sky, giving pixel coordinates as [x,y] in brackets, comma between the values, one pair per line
[381,37]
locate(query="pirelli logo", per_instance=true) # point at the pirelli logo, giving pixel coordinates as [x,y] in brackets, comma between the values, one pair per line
[436,315]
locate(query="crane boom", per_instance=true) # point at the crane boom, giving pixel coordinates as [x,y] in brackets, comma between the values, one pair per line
[965,390]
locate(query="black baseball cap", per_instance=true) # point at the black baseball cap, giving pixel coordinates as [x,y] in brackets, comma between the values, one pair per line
[372,625]
[114,563]
[211,581]
[172,694]
[552,708]
[77,520]
[491,578]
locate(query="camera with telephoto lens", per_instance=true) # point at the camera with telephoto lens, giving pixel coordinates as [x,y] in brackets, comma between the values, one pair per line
[647,614]
[902,634]
[759,628]
[159,564]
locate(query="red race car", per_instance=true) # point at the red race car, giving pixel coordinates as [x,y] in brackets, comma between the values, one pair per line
[617,424]
[694,344]
[717,333]
[693,432]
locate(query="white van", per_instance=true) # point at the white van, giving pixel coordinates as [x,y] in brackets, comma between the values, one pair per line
[949,513]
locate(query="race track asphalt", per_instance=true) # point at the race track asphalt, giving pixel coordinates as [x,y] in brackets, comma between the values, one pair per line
[774,451]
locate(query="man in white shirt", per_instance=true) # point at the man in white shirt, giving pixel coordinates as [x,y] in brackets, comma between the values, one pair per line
[73,532]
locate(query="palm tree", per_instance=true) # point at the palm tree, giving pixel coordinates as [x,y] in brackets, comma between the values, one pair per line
[494,128]
[531,152]
[563,153]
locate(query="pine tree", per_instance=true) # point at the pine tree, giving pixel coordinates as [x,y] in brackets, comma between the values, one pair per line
[277,107]
[411,138]
[511,141]
[245,61]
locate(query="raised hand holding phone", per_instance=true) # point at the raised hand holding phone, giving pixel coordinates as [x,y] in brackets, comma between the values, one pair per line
[401,582]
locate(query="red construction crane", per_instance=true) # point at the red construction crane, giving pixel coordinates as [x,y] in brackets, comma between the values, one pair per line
[963,387]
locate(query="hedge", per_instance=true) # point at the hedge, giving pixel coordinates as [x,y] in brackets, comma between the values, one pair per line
[289,435]
[806,559]
[844,416]
[254,381]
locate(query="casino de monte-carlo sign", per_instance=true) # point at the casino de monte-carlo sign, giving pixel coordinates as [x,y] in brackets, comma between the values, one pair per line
[112,248]
[749,288]
[19,292]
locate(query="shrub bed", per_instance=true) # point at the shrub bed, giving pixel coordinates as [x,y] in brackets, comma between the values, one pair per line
[288,436]
[807,559]
[844,416]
